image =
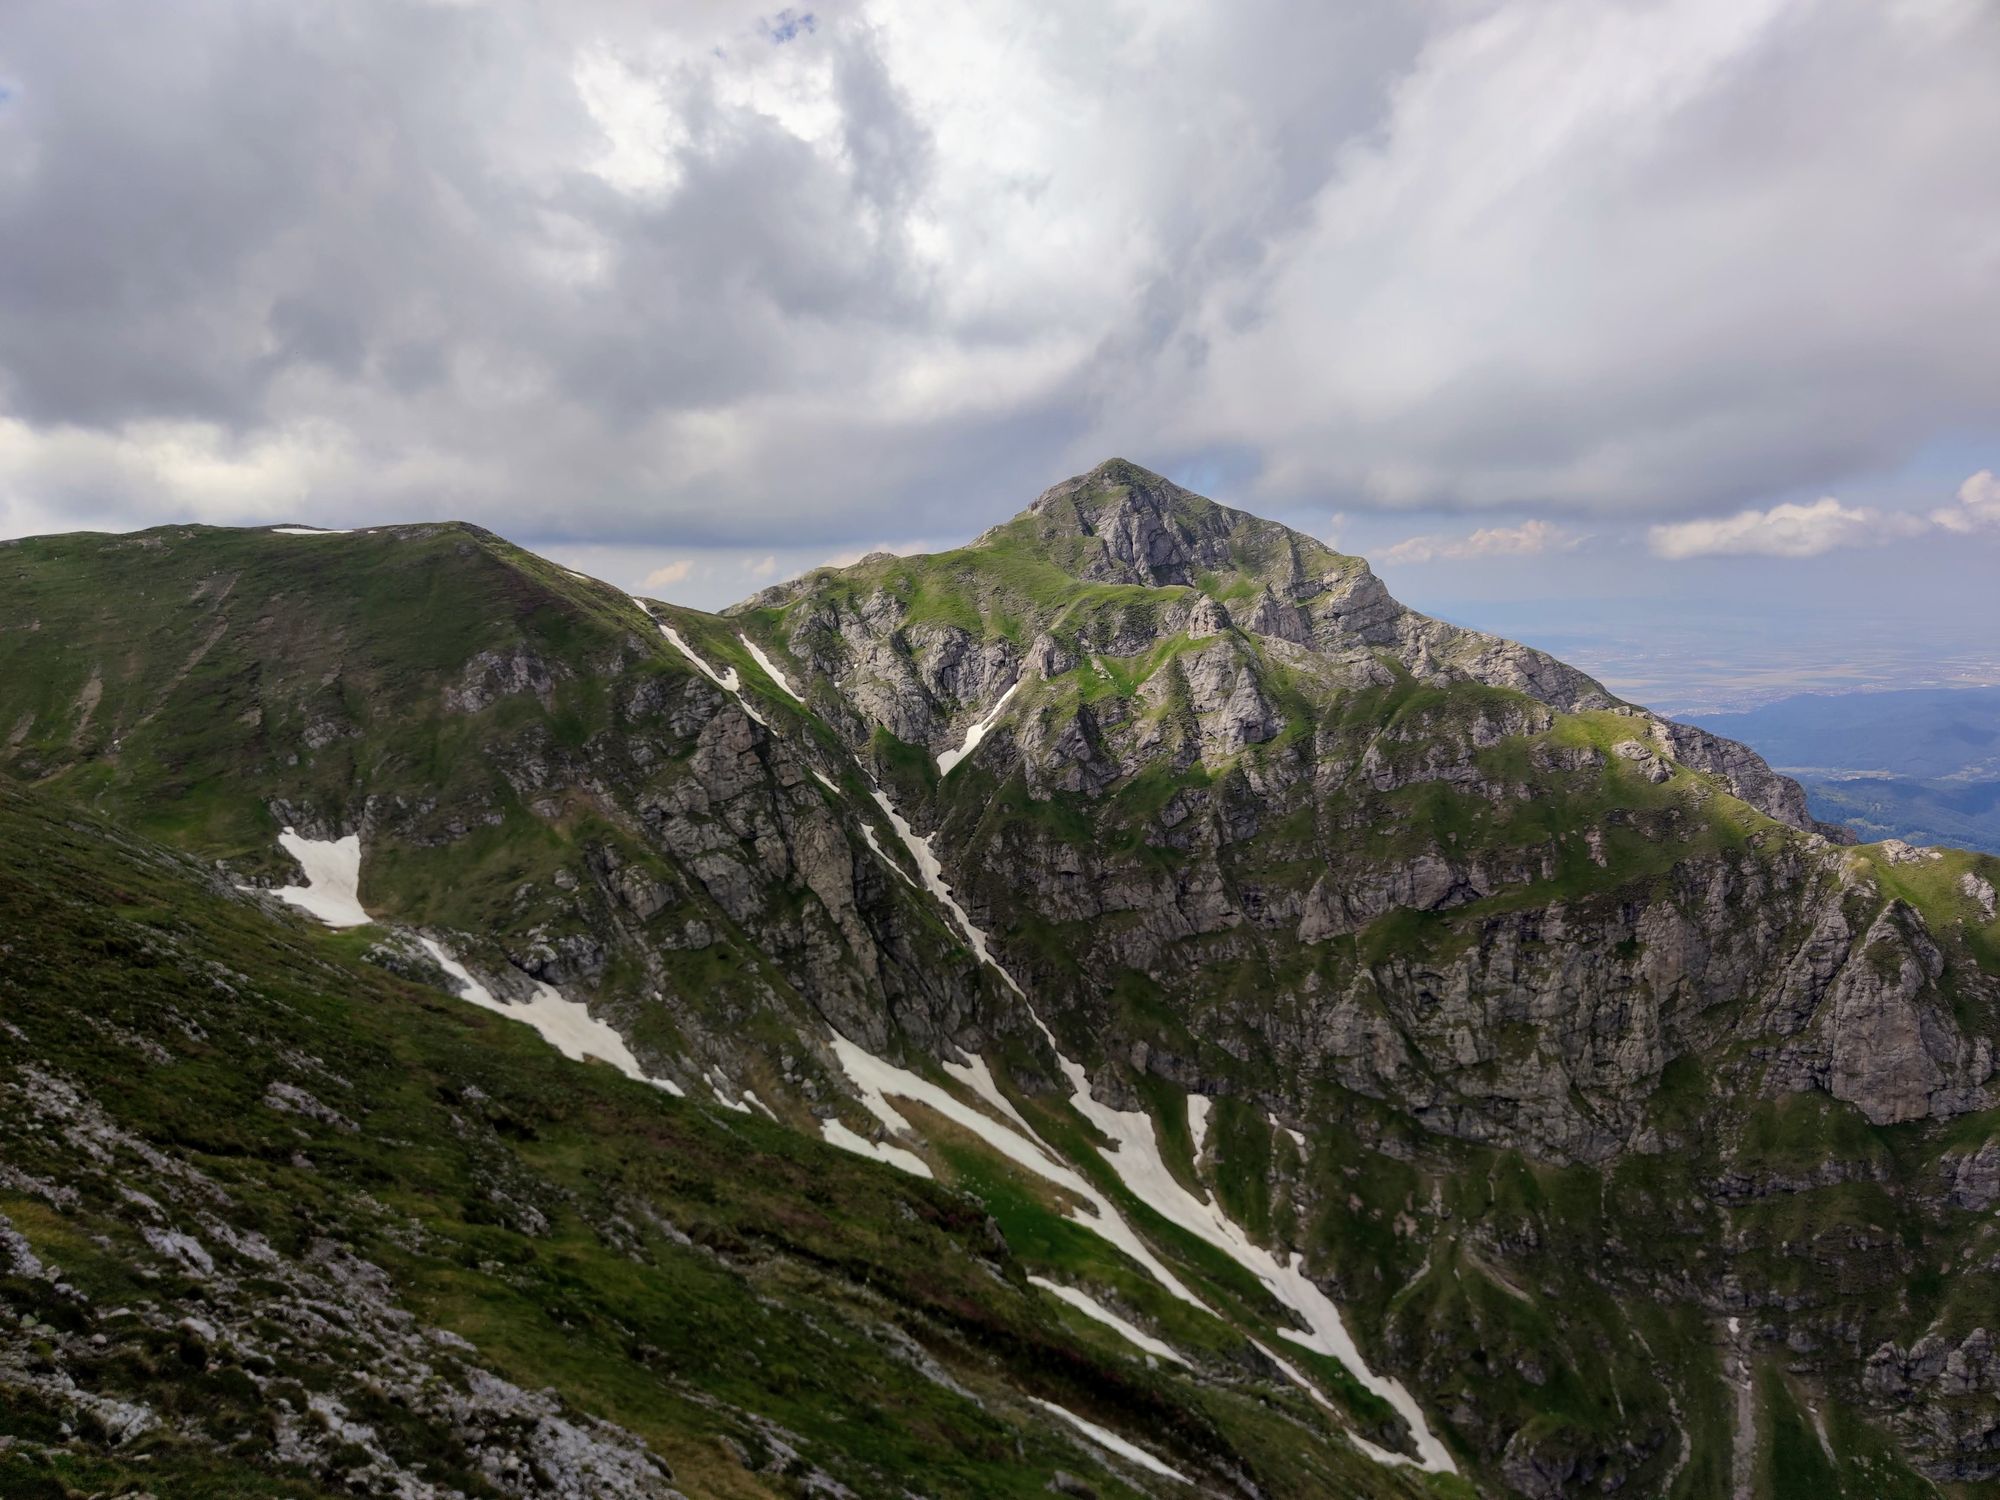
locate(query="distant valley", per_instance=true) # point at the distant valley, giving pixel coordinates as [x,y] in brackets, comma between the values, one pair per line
[1922,766]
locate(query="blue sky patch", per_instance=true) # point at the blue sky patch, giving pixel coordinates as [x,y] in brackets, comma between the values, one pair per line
[789,25]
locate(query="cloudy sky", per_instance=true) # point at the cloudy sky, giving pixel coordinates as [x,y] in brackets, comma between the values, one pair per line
[1669,309]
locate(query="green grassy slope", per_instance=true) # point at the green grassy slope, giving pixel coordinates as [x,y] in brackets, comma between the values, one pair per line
[536,771]
[175,677]
[181,1068]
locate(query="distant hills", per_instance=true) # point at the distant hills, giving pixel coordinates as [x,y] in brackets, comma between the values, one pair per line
[1922,766]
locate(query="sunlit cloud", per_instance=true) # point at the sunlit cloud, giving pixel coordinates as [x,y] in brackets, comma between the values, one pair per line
[1978,507]
[673,572]
[1789,530]
[1529,539]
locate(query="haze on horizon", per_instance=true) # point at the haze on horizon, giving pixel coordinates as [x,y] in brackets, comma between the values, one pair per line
[1659,334]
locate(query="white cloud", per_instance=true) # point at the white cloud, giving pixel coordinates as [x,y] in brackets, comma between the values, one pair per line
[1529,539]
[1589,259]
[1978,506]
[183,469]
[642,133]
[763,567]
[673,572]
[1789,530]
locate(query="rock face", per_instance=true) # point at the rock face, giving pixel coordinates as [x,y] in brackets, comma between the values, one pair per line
[1121,525]
[1138,539]
[1240,762]
[1251,828]
[1979,891]
[1974,1178]
[1893,1047]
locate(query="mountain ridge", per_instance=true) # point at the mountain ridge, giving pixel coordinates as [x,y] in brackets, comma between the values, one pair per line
[1193,926]
[1151,533]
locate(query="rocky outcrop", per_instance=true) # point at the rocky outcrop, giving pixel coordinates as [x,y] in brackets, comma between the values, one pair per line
[1140,536]
[1745,773]
[1979,891]
[1925,1389]
[1972,1178]
[490,676]
[1891,1045]
[1224,694]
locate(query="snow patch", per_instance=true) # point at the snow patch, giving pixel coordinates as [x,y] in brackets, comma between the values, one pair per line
[975,1075]
[332,891]
[1111,1442]
[1298,1138]
[731,1097]
[1367,1449]
[874,1080]
[726,678]
[868,837]
[1198,1108]
[839,1135]
[310,530]
[934,882]
[1084,1303]
[949,758]
[566,1025]
[771,668]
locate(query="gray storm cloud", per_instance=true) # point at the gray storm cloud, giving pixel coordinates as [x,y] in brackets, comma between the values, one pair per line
[711,273]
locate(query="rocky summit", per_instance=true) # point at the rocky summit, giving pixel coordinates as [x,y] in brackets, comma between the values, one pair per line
[1123,1007]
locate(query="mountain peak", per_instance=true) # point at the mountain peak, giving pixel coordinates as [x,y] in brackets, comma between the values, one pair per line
[1117,484]
[1121,523]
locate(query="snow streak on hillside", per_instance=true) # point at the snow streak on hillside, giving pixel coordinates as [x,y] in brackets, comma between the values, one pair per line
[332,893]
[949,758]
[1139,1166]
